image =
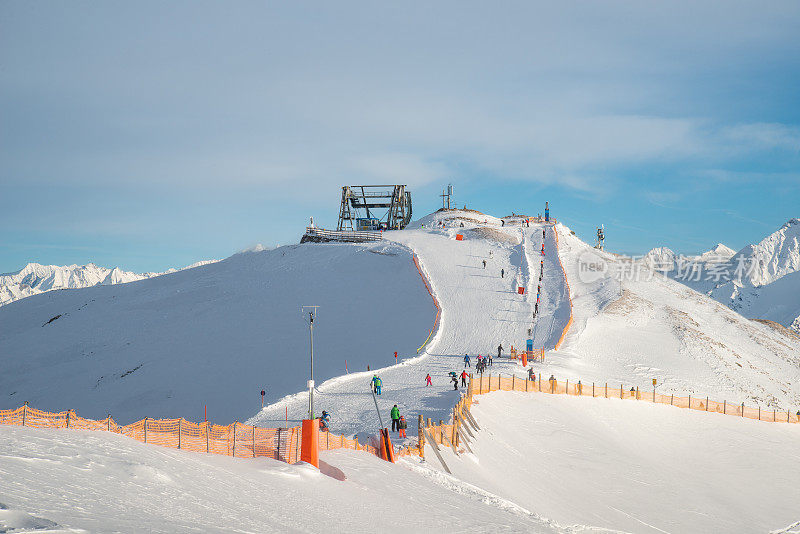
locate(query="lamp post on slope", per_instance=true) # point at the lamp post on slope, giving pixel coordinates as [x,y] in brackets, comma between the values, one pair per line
[312,314]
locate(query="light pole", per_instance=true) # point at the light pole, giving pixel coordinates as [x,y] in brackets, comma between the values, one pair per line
[312,313]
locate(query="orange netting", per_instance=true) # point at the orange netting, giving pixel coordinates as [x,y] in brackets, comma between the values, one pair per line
[486,384]
[242,441]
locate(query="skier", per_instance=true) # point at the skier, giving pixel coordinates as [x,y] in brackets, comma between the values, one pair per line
[502,273]
[502,222]
[395,415]
[466,361]
[376,384]
[536,309]
[542,249]
[531,374]
[490,359]
[464,379]
[542,233]
[484,264]
[454,378]
[428,380]
[402,425]
[499,350]
[324,421]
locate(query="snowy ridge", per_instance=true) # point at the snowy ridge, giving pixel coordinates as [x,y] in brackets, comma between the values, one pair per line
[745,281]
[35,278]
[632,324]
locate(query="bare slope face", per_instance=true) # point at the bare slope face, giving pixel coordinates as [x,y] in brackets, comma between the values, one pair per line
[215,335]
[633,324]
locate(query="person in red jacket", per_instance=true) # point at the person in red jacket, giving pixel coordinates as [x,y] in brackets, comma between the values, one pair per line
[464,379]
[428,380]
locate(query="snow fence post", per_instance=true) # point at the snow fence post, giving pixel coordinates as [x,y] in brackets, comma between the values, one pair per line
[759,412]
[68,411]
[690,402]
[254,441]
[706,403]
[421,436]
[513,382]
[725,407]
[743,409]
[208,447]
[234,438]
[566,387]
[180,421]
[671,398]
[24,412]
[108,422]
[606,389]
[145,429]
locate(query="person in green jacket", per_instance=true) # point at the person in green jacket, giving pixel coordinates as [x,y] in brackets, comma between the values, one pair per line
[395,414]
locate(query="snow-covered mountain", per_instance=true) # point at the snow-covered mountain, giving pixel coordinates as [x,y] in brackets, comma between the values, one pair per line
[35,278]
[761,281]
[217,335]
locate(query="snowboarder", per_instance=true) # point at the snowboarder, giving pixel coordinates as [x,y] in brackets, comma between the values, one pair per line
[502,222]
[395,415]
[502,273]
[466,361]
[462,225]
[402,425]
[499,350]
[464,379]
[428,380]
[376,384]
[454,378]
[484,264]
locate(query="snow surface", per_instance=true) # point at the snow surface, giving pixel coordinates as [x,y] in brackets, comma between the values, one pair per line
[215,335]
[84,481]
[35,278]
[632,466]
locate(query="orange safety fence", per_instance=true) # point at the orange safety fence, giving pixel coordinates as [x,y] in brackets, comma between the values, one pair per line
[435,301]
[486,384]
[569,296]
[236,439]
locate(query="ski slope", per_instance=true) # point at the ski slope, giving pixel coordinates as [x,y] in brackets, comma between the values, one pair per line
[213,336]
[632,466]
[480,310]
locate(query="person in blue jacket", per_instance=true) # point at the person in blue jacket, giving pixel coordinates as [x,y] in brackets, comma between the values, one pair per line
[466,360]
[376,384]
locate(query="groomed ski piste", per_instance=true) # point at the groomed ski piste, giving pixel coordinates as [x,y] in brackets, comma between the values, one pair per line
[540,463]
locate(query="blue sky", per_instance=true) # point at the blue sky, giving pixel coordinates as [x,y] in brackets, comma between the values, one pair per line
[150,135]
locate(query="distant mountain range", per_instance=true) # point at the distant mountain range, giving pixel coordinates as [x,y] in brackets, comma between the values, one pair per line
[35,278]
[761,281]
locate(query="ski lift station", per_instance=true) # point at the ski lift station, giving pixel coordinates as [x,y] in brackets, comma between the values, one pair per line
[374,207]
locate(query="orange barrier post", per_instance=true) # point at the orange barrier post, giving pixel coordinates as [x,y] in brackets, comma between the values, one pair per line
[387,452]
[309,450]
